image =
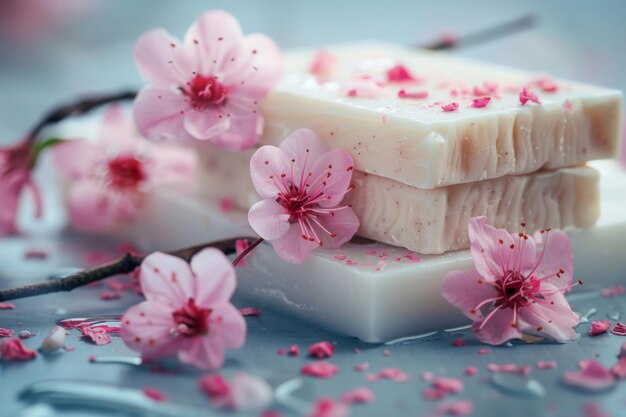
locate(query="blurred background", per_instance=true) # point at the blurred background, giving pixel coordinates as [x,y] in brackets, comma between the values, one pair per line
[52,50]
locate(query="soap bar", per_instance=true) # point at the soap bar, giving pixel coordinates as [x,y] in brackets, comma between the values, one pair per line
[416,142]
[371,291]
[434,221]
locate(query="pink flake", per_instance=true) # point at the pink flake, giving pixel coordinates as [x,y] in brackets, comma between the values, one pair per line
[394,374]
[613,291]
[154,394]
[350,262]
[282,351]
[546,364]
[400,74]
[7,306]
[450,107]
[319,369]
[484,351]
[362,89]
[215,386]
[97,334]
[453,385]
[567,105]
[227,204]
[591,377]
[70,348]
[526,95]
[458,342]
[359,395]
[455,408]
[240,246]
[471,371]
[619,368]
[509,368]
[480,91]
[371,252]
[491,86]
[480,102]
[25,334]
[5,332]
[413,94]
[323,64]
[91,358]
[36,254]
[599,327]
[619,329]
[321,350]
[327,407]
[387,352]
[294,350]
[362,367]
[412,258]
[548,85]
[340,257]
[110,295]
[12,349]
[250,311]
[372,377]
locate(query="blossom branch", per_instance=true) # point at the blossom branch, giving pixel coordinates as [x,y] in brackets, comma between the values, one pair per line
[123,265]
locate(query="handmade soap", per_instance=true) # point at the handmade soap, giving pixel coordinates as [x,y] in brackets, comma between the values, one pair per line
[434,221]
[385,104]
[372,291]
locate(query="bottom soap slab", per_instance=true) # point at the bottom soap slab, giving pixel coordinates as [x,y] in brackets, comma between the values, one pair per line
[371,291]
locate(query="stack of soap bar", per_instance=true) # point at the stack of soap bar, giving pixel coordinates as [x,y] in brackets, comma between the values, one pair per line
[422,171]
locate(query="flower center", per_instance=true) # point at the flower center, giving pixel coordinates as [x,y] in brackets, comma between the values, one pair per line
[516,290]
[205,91]
[192,320]
[125,172]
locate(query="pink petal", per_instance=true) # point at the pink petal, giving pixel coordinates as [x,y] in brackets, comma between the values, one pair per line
[557,256]
[243,133]
[206,124]
[466,289]
[167,280]
[498,329]
[228,325]
[480,102]
[217,37]
[302,149]
[162,64]
[266,166]
[362,89]
[450,107]
[360,395]
[159,114]
[154,394]
[171,164]
[147,328]
[118,128]
[455,408]
[342,167]
[344,223]
[320,350]
[12,349]
[74,158]
[292,247]
[599,327]
[591,377]
[323,64]
[319,369]
[269,219]
[258,70]
[327,407]
[213,277]
[551,317]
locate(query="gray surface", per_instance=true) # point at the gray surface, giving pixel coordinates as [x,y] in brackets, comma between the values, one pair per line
[582,40]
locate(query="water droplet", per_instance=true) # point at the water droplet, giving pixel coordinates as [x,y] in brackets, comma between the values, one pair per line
[585,318]
[614,315]
[517,385]
[26,334]
[509,344]
[124,360]
[436,335]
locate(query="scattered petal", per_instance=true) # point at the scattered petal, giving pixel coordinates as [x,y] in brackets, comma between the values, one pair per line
[526,95]
[250,311]
[619,329]
[5,332]
[599,327]
[546,364]
[510,368]
[154,394]
[450,107]
[591,377]
[455,408]
[7,306]
[319,369]
[360,395]
[12,349]
[480,102]
[327,407]
[321,350]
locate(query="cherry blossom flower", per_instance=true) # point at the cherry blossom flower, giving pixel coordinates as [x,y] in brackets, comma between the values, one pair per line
[110,178]
[206,87]
[245,392]
[187,311]
[515,287]
[302,186]
[16,163]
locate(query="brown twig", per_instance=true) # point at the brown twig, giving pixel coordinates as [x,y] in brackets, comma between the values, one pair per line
[123,265]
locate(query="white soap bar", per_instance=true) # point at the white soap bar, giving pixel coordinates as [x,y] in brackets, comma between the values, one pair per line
[372,291]
[415,142]
[434,221]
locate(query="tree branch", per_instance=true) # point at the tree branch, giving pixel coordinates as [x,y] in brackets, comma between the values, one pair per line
[123,265]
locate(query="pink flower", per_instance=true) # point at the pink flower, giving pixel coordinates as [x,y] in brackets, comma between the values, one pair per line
[302,185]
[109,178]
[12,349]
[208,86]
[591,377]
[187,311]
[16,163]
[244,393]
[515,287]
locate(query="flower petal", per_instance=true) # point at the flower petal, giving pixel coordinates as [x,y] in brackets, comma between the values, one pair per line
[159,114]
[498,329]
[292,247]
[146,327]
[466,289]
[557,255]
[302,148]
[214,277]
[171,164]
[343,223]
[269,219]
[203,353]
[335,168]
[246,124]
[74,157]
[206,124]
[117,128]
[551,317]
[266,167]
[167,280]
[228,324]
[162,64]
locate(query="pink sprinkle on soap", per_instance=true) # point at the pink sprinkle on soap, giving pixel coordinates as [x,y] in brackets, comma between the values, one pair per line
[480,102]
[546,364]
[619,329]
[282,351]
[36,254]
[568,106]
[599,327]
[450,107]
[350,262]
[592,377]
[340,257]
[321,350]
[91,358]
[412,258]
[548,85]
[387,352]
[394,374]
[321,369]
[7,306]
[371,252]
[526,95]
[427,376]
[400,74]
[412,94]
